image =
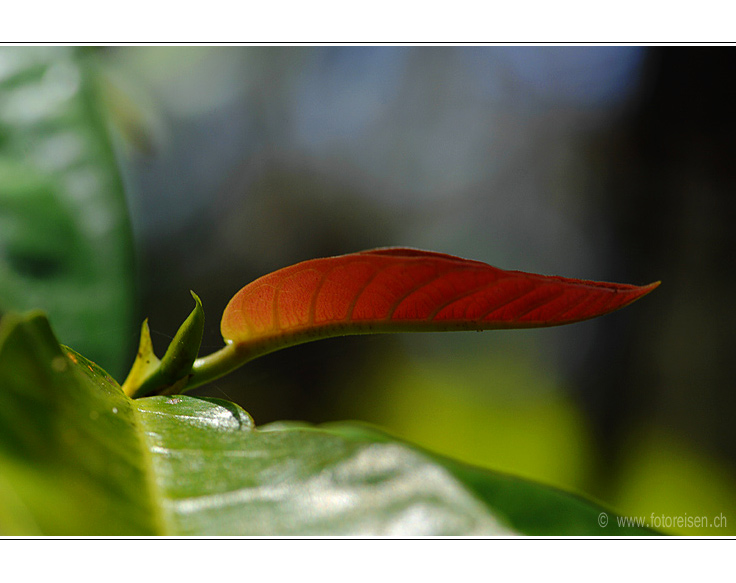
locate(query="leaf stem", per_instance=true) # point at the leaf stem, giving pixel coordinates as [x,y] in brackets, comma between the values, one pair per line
[215,365]
[234,355]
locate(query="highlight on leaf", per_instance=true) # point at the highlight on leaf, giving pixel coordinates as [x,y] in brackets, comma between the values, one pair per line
[398,290]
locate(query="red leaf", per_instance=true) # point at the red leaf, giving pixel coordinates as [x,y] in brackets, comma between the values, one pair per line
[407,290]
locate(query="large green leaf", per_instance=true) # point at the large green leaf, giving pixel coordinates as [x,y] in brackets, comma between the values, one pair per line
[79,457]
[65,242]
[72,452]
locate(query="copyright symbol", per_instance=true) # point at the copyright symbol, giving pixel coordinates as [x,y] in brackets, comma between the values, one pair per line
[602,519]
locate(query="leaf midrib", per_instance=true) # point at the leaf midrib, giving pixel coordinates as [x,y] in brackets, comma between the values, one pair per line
[162,517]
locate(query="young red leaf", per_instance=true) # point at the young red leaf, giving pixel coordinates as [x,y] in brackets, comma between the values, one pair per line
[396,290]
[407,290]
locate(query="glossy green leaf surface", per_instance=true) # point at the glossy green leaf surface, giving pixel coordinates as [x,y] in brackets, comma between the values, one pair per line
[65,241]
[72,458]
[78,457]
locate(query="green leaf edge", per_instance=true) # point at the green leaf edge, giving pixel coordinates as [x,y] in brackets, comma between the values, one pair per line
[472,477]
[64,367]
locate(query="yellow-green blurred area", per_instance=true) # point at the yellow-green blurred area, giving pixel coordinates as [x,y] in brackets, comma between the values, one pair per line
[608,163]
[545,437]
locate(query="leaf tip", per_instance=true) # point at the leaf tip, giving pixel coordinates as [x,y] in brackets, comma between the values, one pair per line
[650,287]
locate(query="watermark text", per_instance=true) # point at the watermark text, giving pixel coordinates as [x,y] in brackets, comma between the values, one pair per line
[659,521]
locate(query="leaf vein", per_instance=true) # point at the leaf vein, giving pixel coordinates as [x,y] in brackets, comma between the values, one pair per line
[417,287]
[583,300]
[359,293]
[313,302]
[464,295]
[540,303]
[504,304]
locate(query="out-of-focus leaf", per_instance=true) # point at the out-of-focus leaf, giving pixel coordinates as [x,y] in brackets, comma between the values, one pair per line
[79,457]
[65,243]
[72,454]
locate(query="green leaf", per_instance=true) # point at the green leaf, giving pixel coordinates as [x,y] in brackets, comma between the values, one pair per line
[65,240]
[170,374]
[78,457]
[72,452]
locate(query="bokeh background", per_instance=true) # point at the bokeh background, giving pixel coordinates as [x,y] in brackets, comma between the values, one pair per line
[205,167]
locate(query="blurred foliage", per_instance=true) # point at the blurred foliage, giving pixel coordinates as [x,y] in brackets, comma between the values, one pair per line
[65,243]
[501,413]
[666,476]
[498,412]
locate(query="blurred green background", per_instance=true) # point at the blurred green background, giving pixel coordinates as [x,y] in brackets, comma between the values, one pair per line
[610,163]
